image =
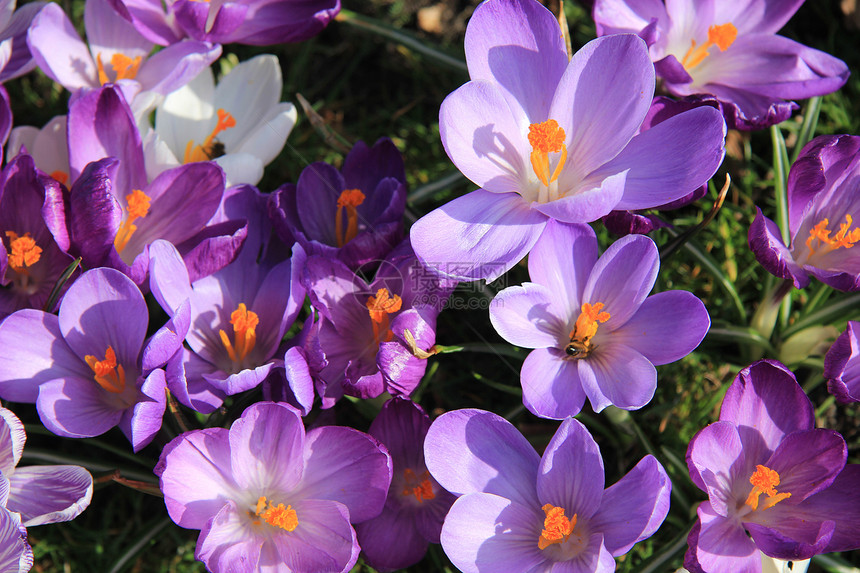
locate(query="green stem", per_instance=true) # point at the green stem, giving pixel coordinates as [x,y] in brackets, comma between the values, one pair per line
[657,562]
[34,429]
[810,122]
[780,173]
[39,455]
[426,191]
[138,546]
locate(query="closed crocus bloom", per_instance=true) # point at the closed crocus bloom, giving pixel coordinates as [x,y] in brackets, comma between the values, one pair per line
[595,331]
[728,49]
[269,497]
[842,365]
[550,138]
[822,204]
[775,483]
[518,511]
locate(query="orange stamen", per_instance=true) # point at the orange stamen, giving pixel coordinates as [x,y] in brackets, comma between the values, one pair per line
[277,515]
[546,138]
[204,151]
[421,488]
[379,307]
[108,374]
[124,67]
[349,199]
[765,480]
[721,36]
[60,176]
[23,251]
[244,329]
[138,206]
[556,527]
[844,238]
[586,324]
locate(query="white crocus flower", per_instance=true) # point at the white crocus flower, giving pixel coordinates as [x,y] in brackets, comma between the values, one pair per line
[240,123]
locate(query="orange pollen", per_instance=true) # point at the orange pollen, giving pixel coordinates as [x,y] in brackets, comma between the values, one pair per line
[379,307]
[60,176]
[556,527]
[108,374]
[244,330]
[546,138]
[138,207]
[23,251]
[205,151]
[586,324]
[124,67]
[420,487]
[845,237]
[764,481]
[721,36]
[349,199]
[277,515]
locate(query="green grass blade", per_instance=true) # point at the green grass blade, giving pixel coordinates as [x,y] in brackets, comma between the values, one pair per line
[807,130]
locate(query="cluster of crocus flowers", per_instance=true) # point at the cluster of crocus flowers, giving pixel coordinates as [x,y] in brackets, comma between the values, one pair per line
[775,483]
[518,511]
[595,331]
[729,50]
[550,138]
[822,202]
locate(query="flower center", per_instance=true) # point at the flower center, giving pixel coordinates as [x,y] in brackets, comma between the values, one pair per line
[419,486]
[720,36]
[108,374]
[23,252]
[546,138]
[124,67]
[556,527]
[765,480]
[210,148]
[276,515]
[244,324]
[580,345]
[60,176]
[379,307]
[845,237]
[348,201]
[138,207]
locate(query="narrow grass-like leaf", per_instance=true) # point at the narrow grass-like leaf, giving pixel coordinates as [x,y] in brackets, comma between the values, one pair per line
[148,534]
[58,287]
[780,174]
[844,309]
[742,336]
[426,191]
[807,130]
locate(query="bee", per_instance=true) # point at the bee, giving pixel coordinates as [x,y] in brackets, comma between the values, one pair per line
[217,149]
[577,349]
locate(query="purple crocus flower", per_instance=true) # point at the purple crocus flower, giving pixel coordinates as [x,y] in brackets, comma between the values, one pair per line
[90,369]
[239,314]
[117,53]
[32,234]
[16,556]
[775,483]
[416,504]
[355,215]
[595,331]
[822,201]
[269,497]
[729,50]
[841,365]
[547,138]
[40,494]
[519,511]
[48,146]
[254,22]
[15,57]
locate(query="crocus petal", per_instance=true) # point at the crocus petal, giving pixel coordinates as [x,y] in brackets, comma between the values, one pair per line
[617,16]
[167,340]
[75,408]
[194,19]
[251,86]
[524,315]
[618,375]
[267,141]
[109,33]
[280,22]
[227,540]
[345,465]
[390,541]
[143,420]
[15,555]
[12,438]
[840,366]
[59,51]
[765,241]
[185,381]
[486,532]
[298,375]
[723,544]
[470,451]
[808,462]
[816,537]
[173,67]
[49,494]
[168,276]
[95,213]
[479,235]
[634,507]
[570,474]
[716,455]
[594,199]
[551,385]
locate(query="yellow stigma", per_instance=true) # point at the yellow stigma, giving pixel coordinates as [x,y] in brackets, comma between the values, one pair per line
[277,515]
[765,480]
[844,238]
[721,36]
[108,374]
[208,149]
[124,67]
[244,329]
[23,251]
[556,527]
[546,138]
[349,199]
[138,207]
[379,307]
[420,487]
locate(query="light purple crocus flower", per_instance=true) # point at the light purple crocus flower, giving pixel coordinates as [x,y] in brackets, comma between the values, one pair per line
[254,22]
[729,50]
[355,215]
[842,365]
[269,497]
[775,483]
[16,556]
[40,494]
[416,504]
[595,331]
[15,57]
[822,204]
[117,53]
[47,145]
[90,369]
[547,138]
[239,314]
[519,511]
